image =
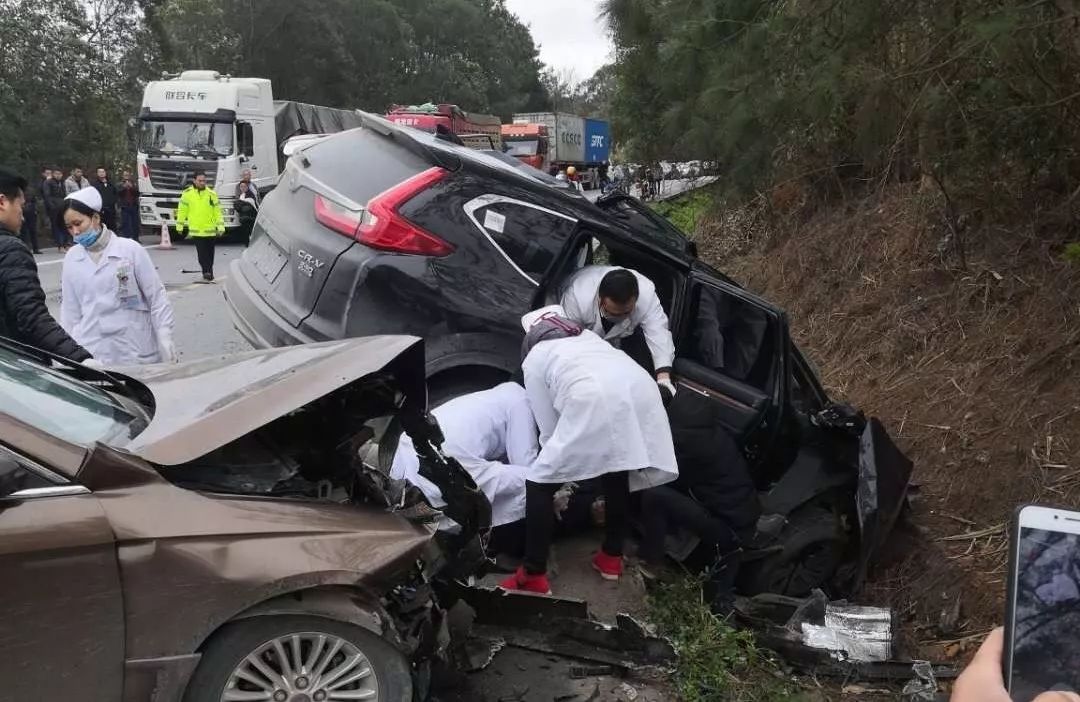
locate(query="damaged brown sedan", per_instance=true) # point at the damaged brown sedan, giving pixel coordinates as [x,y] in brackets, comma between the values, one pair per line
[210,531]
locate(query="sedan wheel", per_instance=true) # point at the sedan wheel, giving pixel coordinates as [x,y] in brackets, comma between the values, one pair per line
[303,667]
[299,658]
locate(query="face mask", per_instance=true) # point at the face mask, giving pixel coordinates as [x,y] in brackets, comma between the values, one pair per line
[88,238]
[616,318]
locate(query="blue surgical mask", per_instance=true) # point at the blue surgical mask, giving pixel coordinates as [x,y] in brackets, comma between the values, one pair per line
[88,238]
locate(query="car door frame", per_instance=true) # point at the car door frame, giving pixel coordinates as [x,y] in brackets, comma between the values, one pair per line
[681,320]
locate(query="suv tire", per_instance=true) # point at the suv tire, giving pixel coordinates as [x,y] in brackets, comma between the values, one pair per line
[813,548]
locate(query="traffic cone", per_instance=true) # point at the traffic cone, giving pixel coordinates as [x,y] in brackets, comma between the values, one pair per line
[166,240]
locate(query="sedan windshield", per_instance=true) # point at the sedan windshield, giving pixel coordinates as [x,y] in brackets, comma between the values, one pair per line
[206,139]
[68,409]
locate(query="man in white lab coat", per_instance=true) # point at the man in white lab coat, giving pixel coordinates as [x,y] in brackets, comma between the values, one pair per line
[599,415]
[482,430]
[615,303]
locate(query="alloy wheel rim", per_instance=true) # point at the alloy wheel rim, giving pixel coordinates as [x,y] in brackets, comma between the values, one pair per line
[303,667]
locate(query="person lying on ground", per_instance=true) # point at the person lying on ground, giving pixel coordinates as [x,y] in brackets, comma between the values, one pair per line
[492,434]
[621,306]
[714,498]
[600,415]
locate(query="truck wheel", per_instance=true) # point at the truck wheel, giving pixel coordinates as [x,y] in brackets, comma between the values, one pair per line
[813,548]
[299,657]
[441,390]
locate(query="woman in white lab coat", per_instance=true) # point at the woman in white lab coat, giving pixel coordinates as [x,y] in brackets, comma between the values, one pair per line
[482,429]
[599,415]
[112,300]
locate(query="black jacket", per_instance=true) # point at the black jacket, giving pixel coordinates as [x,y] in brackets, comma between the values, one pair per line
[54,196]
[25,317]
[712,468]
[108,195]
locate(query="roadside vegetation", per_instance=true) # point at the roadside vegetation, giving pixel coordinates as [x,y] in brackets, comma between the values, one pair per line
[717,663]
[685,212]
[903,178]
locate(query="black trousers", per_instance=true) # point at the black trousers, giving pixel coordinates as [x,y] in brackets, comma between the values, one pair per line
[29,230]
[204,247]
[540,518]
[664,507]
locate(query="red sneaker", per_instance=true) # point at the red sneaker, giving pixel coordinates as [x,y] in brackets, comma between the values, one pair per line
[523,582]
[609,567]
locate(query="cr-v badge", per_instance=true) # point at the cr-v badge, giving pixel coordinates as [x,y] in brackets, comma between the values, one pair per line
[307,264]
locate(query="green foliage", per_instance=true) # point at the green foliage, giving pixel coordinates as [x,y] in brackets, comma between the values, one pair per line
[686,211]
[716,662]
[984,94]
[363,53]
[1071,254]
[73,71]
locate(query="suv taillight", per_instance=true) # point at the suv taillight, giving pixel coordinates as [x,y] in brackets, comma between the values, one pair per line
[381,226]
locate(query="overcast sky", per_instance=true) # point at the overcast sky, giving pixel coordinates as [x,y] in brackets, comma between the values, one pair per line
[569,33]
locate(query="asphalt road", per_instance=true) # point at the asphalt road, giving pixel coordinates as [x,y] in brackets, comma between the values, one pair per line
[202,321]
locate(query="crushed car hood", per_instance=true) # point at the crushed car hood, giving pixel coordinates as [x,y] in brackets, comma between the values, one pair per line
[203,405]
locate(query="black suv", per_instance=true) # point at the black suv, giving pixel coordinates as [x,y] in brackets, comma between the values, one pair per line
[388,230]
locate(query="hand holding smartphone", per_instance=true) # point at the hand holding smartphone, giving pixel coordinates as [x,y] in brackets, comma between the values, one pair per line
[1042,626]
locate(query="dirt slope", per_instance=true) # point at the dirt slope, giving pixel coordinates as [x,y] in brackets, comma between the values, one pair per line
[973,369]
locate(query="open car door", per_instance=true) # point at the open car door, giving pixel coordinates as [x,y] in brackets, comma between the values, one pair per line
[732,348]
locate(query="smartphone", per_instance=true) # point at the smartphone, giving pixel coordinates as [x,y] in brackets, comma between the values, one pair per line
[1042,623]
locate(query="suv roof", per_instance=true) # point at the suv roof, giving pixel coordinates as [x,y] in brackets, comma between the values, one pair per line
[454,157]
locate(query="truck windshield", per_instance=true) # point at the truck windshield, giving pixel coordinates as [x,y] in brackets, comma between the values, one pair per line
[522,148]
[203,139]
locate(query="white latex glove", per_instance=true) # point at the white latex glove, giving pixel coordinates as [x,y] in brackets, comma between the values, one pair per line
[666,384]
[167,349]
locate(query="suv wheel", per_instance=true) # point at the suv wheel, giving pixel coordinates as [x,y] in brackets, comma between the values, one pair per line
[813,547]
[290,658]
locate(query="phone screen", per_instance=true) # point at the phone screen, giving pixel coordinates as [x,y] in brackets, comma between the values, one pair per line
[1046,628]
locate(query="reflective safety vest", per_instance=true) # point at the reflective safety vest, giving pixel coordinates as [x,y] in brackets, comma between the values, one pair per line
[200,212]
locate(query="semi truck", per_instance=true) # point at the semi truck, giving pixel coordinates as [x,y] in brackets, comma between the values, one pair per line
[557,140]
[223,125]
[475,130]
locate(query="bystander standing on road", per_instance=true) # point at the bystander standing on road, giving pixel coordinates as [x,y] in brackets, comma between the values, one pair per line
[247,204]
[199,212]
[54,208]
[112,300]
[24,316]
[75,182]
[128,198]
[107,191]
[29,225]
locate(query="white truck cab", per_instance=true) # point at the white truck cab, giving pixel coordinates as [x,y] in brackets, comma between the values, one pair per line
[202,120]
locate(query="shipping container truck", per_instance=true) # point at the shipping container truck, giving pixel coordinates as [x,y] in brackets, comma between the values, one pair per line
[475,130]
[556,140]
[203,120]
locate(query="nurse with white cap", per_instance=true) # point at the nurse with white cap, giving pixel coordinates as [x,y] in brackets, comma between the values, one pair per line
[599,415]
[112,300]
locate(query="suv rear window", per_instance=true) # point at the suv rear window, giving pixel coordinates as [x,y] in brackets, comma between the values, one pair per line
[530,237]
[361,163]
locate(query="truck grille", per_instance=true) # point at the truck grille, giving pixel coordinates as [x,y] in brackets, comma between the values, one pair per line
[166,174]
